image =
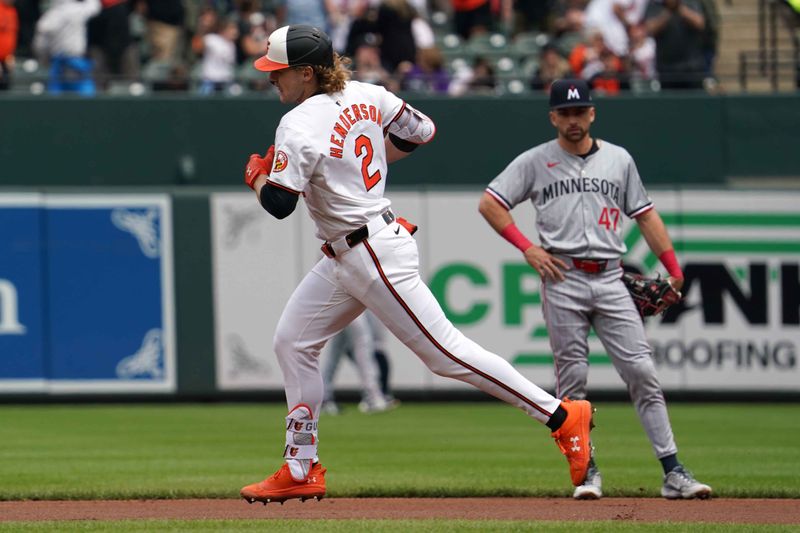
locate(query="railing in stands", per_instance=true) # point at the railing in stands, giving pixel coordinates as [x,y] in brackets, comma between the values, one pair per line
[769,59]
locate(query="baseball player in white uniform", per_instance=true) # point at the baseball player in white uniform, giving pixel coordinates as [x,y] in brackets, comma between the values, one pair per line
[333,149]
[581,187]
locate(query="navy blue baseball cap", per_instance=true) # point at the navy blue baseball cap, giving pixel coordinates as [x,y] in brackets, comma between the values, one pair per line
[570,93]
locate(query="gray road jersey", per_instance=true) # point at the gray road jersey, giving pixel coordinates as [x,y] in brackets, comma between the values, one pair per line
[579,202]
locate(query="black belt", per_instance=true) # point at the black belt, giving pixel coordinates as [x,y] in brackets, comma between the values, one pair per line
[358,235]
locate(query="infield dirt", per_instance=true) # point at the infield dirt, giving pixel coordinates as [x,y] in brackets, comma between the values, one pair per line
[720,510]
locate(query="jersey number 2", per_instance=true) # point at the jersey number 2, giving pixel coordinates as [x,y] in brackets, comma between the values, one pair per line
[364,147]
[609,218]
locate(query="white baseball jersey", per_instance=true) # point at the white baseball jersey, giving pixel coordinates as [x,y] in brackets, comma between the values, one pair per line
[578,201]
[331,149]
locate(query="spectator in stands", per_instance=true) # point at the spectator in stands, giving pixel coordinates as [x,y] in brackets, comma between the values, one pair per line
[351,19]
[217,45]
[368,68]
[111,45]
[177,79]
[472,17]
[677,27]
[9,27]
[476,78]
[428,74]
[223,7]
[254,29]
[397,39]
[61,39]
[568,18]
[207,22]
[614,18]
[642,54]
[612,76]
[483,77]
[165,23]
[312,12]
[710,34]
[584,58]
[364,23]
[594,62]
[552,66]
[28,13]
[421,30]
[531,15]
[341,16]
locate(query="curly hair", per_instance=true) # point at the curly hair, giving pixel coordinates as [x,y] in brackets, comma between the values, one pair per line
[332,79]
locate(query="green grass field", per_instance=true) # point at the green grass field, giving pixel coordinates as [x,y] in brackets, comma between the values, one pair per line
[464,449]
[467,449]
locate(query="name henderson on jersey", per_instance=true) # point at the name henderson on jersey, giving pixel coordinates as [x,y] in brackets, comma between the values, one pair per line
[360,112]
[573,185]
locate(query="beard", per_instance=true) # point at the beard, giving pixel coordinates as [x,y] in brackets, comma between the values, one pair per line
[575,134]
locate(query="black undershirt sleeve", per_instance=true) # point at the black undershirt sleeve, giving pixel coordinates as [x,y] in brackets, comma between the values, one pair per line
[402,144]
[277,202]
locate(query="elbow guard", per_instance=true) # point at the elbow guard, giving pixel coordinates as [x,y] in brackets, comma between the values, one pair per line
[276,201]
[412,126]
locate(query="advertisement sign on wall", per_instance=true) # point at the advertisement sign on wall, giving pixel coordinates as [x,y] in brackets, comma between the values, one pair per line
[258,261]
[92,280]
[22,357]
[737,328]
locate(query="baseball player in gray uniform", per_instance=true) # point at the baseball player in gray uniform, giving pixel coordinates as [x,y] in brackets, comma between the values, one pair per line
[333,149]
[581,187]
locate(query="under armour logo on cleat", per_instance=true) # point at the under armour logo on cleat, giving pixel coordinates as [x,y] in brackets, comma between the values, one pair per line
[575,446]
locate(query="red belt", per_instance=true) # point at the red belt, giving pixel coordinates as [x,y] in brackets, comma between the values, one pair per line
[592,266]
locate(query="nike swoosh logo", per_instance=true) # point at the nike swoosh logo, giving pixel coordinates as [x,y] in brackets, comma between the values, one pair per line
[397,231]
[551,165]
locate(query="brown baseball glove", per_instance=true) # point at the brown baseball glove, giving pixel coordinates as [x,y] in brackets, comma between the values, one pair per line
[652,296]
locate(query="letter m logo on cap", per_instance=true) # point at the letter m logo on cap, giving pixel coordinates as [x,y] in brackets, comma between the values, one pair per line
[573,94]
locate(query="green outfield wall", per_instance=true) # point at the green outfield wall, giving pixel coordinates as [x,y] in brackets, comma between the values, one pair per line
[78,177]
[175,292]
[205,141]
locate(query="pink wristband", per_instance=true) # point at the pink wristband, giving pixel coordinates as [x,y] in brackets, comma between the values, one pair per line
[515,237]
[670,262]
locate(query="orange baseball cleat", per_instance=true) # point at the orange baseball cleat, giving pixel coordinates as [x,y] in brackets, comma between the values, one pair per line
[573,438]
[280,486]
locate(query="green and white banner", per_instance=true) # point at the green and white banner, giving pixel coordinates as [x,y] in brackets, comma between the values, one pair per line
[737,329]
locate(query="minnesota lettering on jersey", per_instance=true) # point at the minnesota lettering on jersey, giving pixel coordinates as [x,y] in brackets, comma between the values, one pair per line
[348,117]
[576,185]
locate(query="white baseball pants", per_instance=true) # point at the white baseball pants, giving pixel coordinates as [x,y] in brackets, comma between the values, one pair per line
[382,274]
